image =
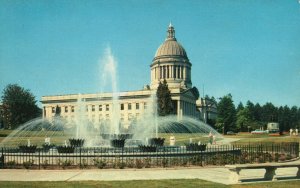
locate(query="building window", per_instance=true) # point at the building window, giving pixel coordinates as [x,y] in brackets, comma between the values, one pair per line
[137,106]
[145,105]
[122,106]
[72,109]
[53,110]
[100,107]
[87,108]
[107,116]
[93,108]
[107,107]
[66,109]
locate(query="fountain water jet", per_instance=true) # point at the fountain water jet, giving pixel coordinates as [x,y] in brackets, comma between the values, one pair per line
[109,73]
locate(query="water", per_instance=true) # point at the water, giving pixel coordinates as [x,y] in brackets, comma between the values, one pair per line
[148,126]
[108,71]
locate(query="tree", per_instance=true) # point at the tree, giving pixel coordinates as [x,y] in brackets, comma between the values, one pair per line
[251,110]
[164,100]
[294,117]
[243,119]
[19,106]
[240,107]
[269,113]
[226,120]
[257,112]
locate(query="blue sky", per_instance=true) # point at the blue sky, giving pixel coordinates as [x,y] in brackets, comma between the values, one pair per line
[249,48]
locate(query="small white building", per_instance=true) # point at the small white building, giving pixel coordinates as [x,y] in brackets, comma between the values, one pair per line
[273,127]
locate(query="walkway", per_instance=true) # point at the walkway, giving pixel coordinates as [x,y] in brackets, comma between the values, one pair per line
[213,174]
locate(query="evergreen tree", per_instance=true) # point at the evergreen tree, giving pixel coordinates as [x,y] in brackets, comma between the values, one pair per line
[250,107]
[257,113]
[243,119]
[226,120]
[239,107]
[269,113]
[164,100]
[19,106]
[294,117]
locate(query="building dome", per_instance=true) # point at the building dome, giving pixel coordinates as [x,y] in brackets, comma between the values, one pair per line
[171,64]
[170,48]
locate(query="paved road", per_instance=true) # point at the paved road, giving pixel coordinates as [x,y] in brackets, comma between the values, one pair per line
[218,175]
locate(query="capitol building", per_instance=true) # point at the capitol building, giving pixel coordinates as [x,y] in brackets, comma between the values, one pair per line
[170,63]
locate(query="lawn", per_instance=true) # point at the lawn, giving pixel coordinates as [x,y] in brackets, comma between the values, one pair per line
[148,183]
[58,138]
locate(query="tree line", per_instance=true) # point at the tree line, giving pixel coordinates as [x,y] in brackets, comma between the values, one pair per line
[249,116]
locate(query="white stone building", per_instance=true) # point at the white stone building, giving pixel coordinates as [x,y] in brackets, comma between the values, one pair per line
[170,63]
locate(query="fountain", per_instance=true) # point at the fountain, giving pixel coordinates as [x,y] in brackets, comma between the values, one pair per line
[149,132]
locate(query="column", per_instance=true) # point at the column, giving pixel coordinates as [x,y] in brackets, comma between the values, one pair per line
[44,112]
[181,72]
[178,108]
[160,72]
[174,75]
[171,71]
[151,74]
[167,71]
[184,72]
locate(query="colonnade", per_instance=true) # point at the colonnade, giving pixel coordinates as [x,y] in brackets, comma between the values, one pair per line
[172,72]
[186,108]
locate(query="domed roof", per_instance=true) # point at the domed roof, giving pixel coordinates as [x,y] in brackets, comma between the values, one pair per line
[170,47]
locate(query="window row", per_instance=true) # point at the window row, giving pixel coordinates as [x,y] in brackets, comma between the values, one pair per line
[101,118]
[100,107]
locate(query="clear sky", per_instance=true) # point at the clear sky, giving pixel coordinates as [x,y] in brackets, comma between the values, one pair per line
[249,48]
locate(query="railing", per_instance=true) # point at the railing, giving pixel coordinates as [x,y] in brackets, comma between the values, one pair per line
[134,157]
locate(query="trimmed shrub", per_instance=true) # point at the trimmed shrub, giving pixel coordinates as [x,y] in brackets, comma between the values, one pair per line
[27,149]
[100,163]
[195,147]
[65,149]
[11,164]
[145,148]
[139,163]
[28,164]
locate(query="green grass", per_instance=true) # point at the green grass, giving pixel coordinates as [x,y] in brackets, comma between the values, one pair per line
[264,138]
[148,183]
[58,138]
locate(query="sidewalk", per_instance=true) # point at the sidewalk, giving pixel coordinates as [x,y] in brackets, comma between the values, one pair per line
[213,174]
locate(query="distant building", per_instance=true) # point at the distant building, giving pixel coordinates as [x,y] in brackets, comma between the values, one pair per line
[208,109]
[273,127]
[170,63]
